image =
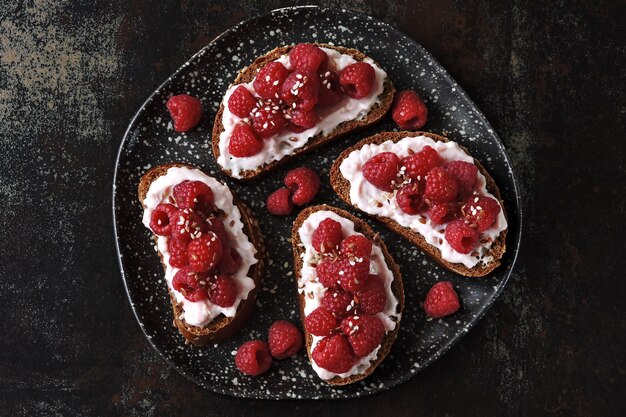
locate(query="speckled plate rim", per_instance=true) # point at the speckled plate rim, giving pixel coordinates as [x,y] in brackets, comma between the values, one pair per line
[451,341]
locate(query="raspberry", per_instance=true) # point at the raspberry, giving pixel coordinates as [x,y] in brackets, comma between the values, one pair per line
[461,236]
[308,57]
[410,197]
[185,110]
[330,90]
[178,253]
[338,302]
[356,246]
[352,273]
[253,358]
[279,202]
[295,128]
[365,333]
[320,322]
[357,79]
[327,236]
[304,119]
[334,354]
[327,274]
[160,219]
[443,212]
[193,195]
[300,90]
[241,102]
[244,142]
[230,262]
[480,211]
[381,170]
[215,225]
[284,339]
[204,252]
[269,80]
[223,291]
[419,164]
[372,298]
[465,175]
[192,285]
[441,300]
[186,224]
[304,183]
[409,111]
[268,119]
[441,187]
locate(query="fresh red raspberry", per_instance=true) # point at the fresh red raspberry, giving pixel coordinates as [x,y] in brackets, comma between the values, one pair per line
[304,183]
[327,274]
[419,164]
[357,79]
[365,333]
[352,273]
[305,119]
[356,246]
[192,285]
[443,212]
[441,187]
[320,322]
[328,236]
[204,252]
[186,224]
[338,302]
[269,80]
[409,111]
[300,90]
[178,253]
[480,212]
[372,298]
[381,170]
[330,90]
[410,197]
[193,195]
[244,142]
[216,225]
[253,358]
[295,128]
[279,202]
[465,174]
[284,339]
[241,102]
[230,262]
[308,57]
[185,110]
[223,291]
[160,219]
[268,119]
[461,236]
[441,300]
[334,354]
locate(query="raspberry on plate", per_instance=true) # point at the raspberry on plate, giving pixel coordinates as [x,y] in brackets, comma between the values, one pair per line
[309,57]
[244,142]
[268,119]
[419,164]
[409,111]
[284,339]
[230,262]
[461,236]
[241,102]
[305,119]
[186,225]
[365,333]
[300,90]
[410,197]
[279,202]
[193,195]
[465,174]
[327,274]
[357,246]
[441,300]
[178,253]
[443,212]
[304,183]
[320,322]
[192,285]
[357,79]
[334,354]
[268,82]
[441,187]
[185,110]
[328,236]
[481,212]
[381,170]
[205,252]
[160,219]
[223,291]
[330,90]
[352,273]
[372,298]
[338,302]
[253,358]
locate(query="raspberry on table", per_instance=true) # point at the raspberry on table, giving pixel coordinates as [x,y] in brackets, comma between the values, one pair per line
[327,274]
[244,142]
[339,303]
[356,246]
[330,90]
[241,102]
[443,212]
[372,298]
[441,187]
[320,322]
[461,236]
[160,219]
[334,354]
[409,111]
[357,79]
[268,119]
[185,110]
[480,212]
[253,358]
[279,202]
[205,252]
[304,183]
[381,170]
[192,285]
[352,273]
[465,175]
[309,57]
[193,195]
[328,236]
[229,262]
[178,253]
[410,197]
[441,300]
[305,119]
[365,333]
[222,291]
[186,225]
[419,164]
[284,339]
[269,80]
[300,90]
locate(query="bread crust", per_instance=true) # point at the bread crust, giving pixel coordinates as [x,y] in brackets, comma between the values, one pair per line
[396,286]
[247,74]
[221,328]
[342,188]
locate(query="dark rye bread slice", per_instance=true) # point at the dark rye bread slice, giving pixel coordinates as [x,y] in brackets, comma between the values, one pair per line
[342,188]
[221,328]
[247,74]
[360,226]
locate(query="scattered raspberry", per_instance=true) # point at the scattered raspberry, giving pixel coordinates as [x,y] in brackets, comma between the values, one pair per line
[334,354]
[193,195]
[304,183]
[461,236]
[244,142]
[160,219]
[480,212]
[465,175]
[420,163]
[305,119]
[441,187]
[223,291]
[178,253]
[185,110]
[192,285]
[308,57]
[365,333]
[338,302]
[229,262]
[279,202]
[330,90]
[186,224]
[269,80]
[410,197]
[253,358]
[284,339]
[356,246]
[268,119]
[372,298]
[357,79]
[204,252]
[241,102]
[441,300]
[381,170]
[409,111]
[352,273]
[443,212]
[327,236]
[320,322]
[327,274]
[300,90]
[216,225]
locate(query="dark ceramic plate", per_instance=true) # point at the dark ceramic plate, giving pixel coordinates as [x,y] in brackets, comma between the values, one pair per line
[150,141]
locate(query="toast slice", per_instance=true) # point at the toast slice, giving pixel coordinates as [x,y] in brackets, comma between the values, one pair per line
[248,74]
[342,187]
[362,227]
[221,327]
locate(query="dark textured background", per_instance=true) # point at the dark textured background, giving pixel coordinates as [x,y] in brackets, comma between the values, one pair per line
[550,78]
